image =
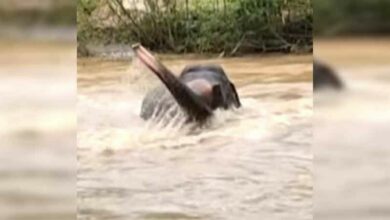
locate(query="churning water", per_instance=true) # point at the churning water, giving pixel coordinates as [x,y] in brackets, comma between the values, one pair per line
[37,130]
[249,163]
[351,133]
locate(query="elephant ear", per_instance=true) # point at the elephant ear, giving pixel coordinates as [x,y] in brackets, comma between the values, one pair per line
[218,98]
[236,99]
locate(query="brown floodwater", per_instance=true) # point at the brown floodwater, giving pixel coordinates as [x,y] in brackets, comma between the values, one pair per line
[250,163]
[37,130]
[351,129]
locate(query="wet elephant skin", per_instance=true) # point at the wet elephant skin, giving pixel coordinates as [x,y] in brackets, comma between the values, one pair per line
[198,91]
[325,77]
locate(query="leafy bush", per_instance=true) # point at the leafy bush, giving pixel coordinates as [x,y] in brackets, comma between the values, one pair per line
[200,26]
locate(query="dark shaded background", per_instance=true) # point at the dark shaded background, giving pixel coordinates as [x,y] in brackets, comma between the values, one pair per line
[350,17]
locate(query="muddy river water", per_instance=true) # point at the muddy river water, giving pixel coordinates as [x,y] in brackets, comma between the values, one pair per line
[249,163]
[37,130]
[351,132]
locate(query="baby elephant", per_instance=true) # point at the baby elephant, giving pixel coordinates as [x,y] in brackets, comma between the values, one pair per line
[325,76]
[198,91]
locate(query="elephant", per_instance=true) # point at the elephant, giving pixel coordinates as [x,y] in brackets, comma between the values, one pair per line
[196,92]
[325,76]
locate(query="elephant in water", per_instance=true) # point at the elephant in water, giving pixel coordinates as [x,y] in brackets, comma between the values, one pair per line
[198,91]
[325,76]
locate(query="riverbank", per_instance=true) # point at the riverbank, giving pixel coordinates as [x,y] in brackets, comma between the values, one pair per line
[38,33]
[125,52]
[229,27]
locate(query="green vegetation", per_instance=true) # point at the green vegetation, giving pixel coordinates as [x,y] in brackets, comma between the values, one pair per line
[199,26]
[335,17]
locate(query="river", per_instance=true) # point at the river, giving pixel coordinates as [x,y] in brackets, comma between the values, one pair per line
[250,163]
[37,129]
[351,129]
